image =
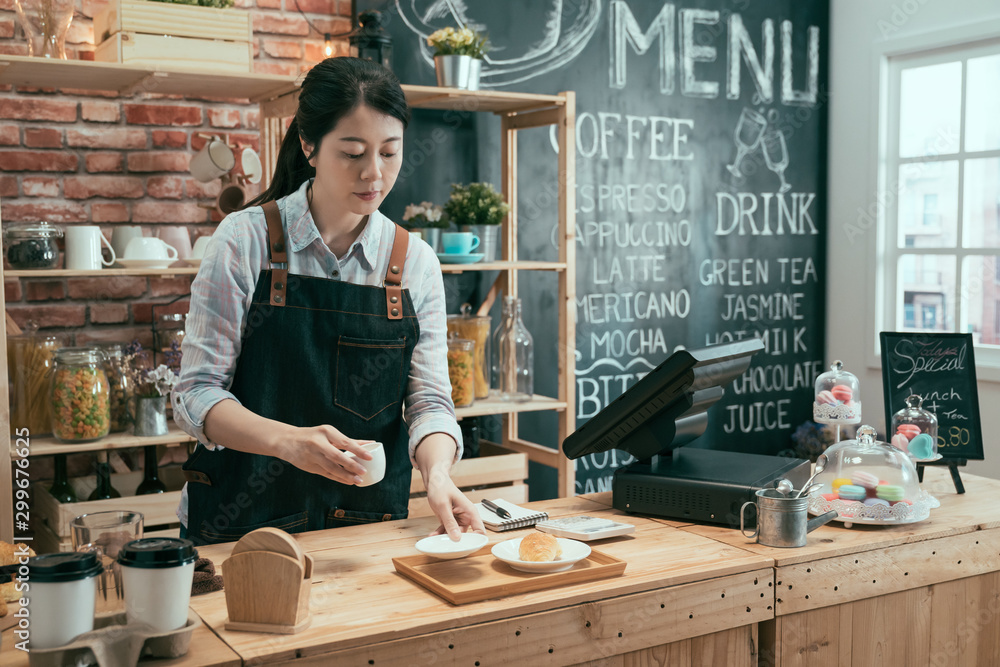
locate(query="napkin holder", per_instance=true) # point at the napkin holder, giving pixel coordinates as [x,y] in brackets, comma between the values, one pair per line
[268,579]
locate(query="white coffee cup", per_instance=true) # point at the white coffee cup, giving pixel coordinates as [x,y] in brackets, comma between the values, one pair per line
[375,469]
[62,597]
[201,247]
[149,247]
[215,159]
[157,573]
[121,235]
[176,236]
[83,248]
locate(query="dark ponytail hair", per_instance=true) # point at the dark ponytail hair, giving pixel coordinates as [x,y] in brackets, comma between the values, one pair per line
[331,90]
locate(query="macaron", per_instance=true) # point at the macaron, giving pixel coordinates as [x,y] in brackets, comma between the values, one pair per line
[890,492]
[825,397]
[842,393]
[876,501]
[900,442]
[865,479]
[829,496]
[909,430]
[839,482]
[851,492]
[922,447]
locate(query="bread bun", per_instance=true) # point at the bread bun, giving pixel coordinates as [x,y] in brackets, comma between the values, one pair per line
[539,547]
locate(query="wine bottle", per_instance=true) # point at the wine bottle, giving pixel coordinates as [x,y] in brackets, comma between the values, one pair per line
[104,489]
[150,477]
[61,489]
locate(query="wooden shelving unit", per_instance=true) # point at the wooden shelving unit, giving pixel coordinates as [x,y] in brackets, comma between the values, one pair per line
[277,96]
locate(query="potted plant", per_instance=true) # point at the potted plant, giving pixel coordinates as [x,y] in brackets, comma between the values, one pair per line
[151,388]
[458,56]
[428,219]
[478,208]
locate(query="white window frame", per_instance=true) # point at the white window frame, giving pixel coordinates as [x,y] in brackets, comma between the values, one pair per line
[890,57]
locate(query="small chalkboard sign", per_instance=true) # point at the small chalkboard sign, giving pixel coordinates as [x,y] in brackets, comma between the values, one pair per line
[941,369]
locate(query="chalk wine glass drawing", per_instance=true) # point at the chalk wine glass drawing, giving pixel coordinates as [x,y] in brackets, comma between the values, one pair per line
[749,130]
[753,130]
[561,31]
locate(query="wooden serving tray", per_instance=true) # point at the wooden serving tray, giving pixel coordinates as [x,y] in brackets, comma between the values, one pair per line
[483,576]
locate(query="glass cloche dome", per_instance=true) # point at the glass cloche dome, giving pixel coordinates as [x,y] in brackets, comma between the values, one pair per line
[837,397]
[867,481]
[915,431]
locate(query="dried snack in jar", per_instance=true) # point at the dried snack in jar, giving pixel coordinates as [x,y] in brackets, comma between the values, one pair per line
[80,411]
[29,367]
[460,371]
[477,329]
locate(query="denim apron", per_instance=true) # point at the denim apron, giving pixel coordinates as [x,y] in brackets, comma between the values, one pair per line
[314,351]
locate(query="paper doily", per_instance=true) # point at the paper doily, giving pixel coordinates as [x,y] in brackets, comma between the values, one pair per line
[829,413]
[852,511]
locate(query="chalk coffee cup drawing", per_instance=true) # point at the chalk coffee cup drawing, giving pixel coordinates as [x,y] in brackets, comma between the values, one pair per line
[157,574]
[63,597]
[121,235]
[148,247]
[201,247]
[83,248]
[376,467]
[782,520]
[215,159]
[459,243]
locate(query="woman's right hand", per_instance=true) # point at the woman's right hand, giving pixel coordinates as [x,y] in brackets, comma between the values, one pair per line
[320,450]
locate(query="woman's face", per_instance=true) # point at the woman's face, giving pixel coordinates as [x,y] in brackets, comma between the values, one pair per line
[357,162]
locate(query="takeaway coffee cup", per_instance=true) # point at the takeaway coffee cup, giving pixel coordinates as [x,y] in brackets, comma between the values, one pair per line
[63,592]
[215,159]
[459,243]
[83,248]
[376,467]
[148,247]
[157,574]
[782,520]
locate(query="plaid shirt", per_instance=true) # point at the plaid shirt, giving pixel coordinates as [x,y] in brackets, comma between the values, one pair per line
[223,289]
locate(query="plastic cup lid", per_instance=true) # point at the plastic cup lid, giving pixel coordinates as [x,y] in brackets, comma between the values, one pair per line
[68,566]
[158,552]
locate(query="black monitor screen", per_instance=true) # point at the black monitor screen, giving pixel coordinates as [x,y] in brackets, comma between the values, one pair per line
[668,407]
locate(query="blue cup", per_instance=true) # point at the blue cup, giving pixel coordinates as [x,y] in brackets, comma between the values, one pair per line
[459,243]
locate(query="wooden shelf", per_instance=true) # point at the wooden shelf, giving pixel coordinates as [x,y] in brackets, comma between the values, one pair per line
[494,406]
[129,79]
[50,446]
[503,266]
[100,273]
[434,97]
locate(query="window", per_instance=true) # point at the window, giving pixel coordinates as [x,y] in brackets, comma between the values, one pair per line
[942,164]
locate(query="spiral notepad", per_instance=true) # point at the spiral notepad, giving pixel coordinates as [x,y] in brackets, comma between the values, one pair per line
[520,517]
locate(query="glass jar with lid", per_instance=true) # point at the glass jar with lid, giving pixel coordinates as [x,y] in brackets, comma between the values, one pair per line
[837,397]
[30,357]
[461,364]
[32,245]
[119,385]
[169,336]
[80,394]
[915,431]
[477,329]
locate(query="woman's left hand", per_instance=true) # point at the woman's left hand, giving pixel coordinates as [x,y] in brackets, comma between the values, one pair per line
[456,512]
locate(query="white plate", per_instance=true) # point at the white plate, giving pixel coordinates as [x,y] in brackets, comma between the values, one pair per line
[441,546]
[146,263]
[573,551]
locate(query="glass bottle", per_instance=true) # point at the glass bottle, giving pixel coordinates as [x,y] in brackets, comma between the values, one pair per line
[80,395]
[150,474]
[169,337]
[104,490]
[61,489]
[119,386]
[516,366]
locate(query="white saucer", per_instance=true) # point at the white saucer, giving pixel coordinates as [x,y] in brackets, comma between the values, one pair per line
[441,546]
[573,551]
[193,262]
[145,263]
[455,258]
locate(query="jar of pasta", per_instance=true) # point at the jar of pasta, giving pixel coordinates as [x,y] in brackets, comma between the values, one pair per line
[461,355]
[477,329]
[119,385]
[29,367]
[80,395]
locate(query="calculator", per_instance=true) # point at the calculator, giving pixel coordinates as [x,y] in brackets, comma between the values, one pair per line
[585,528]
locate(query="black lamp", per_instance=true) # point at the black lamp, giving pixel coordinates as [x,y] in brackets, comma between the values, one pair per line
[370,40]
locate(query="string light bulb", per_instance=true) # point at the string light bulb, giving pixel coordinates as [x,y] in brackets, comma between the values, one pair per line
[328,45]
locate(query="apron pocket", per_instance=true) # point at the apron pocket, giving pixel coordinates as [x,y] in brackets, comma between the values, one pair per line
[369,375]
[293,523]
[337,517]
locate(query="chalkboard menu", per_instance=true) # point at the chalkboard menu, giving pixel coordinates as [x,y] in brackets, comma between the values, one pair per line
[941,369]
[701,204]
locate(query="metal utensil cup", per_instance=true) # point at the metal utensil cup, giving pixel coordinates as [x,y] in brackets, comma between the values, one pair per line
[782,521]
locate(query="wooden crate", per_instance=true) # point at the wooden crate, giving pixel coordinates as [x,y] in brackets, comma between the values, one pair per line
[163,18]
[177,53]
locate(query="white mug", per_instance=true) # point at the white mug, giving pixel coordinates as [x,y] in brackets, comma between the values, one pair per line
[201,246]
[178,237]
[215,159]
[83,248]
[252,167]
[148,247]
[121,235]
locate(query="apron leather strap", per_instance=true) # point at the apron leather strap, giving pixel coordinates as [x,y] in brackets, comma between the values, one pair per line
[277,252]
[394,275]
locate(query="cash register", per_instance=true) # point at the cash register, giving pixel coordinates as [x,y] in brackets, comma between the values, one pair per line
[662,412]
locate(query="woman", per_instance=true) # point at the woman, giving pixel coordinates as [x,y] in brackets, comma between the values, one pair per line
[313,321]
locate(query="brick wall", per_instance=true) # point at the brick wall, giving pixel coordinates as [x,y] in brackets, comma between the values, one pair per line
[78,157]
